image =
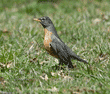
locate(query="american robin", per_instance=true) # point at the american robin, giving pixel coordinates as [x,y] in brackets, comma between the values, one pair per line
[55,46]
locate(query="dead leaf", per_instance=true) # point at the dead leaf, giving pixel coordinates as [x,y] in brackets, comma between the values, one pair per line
[9,65]
[41,63]
[2,81]
[105,17]
[56,60]
[30,49]
[2,65]
[33,60]
[5,31]
[54,89]
[44,77]
[67,77]
[53,74]
[96,21]
[60,73]
[102,56]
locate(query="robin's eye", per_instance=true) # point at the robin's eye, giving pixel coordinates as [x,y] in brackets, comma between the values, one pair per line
[42,19]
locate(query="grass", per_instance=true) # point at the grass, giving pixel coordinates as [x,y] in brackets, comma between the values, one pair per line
[25,67]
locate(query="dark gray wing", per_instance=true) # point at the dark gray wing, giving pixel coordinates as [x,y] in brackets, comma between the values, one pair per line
[59,48]
[63,51]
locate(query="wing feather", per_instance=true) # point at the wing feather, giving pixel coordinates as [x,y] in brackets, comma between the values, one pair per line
[59,48]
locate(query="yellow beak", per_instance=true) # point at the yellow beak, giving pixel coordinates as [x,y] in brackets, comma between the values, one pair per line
[37,20]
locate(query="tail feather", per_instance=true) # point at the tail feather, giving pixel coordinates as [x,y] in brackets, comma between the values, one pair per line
[74,56]
[82,60]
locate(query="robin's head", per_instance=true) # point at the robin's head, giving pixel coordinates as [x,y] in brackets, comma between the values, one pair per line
[45,21]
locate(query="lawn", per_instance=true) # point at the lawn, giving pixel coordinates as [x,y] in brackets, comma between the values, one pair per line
[25,66]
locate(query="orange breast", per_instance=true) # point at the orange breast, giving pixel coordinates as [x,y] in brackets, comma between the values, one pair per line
[47,40]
